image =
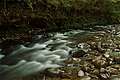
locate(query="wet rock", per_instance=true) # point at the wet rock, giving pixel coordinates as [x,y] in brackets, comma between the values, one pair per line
[95,53]
[116,66]
[93,45]
[112,71]
[107,55]
[89,57]
[65,79]
[118,46]
[54,71]
[87,67]
[116,60]
[99,47]
[94,77]
[96,72]
[103,70]
[105,76]
[78,54]
[81,73]
[73,65]
[77,59]
[85,78]
[117,50]
[109,61]
[100,62]
[83,45]
[87,74]
[105,45]
[115,77]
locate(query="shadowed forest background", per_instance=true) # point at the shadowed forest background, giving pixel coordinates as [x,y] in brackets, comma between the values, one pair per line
[27,15]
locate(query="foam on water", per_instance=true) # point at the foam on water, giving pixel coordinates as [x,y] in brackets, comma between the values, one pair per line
[29,60]
[1,56]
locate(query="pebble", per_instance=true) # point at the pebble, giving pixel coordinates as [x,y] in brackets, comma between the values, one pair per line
[115,77]
[99,62]
[113,71]
[116,66]
[85,78]
[77,59]
[81,73]
[107,55]
[104,76]
[102,70]
[96,71]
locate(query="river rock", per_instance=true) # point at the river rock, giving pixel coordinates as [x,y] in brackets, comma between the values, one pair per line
[113,71]
[96,72]
[107,55]
[115,77]
[104,76]
[85,78]
[100,61]
[81,73]
[78,54]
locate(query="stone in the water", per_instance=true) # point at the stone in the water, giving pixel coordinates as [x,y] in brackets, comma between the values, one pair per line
[115,77]
[85,78]
[79,53]
[107,55]
[104,76]
[99,61]
[77,59]
[102,70]
[96,71]
[113,71]
[81,73]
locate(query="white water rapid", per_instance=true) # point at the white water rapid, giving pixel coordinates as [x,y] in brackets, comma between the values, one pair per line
[38,56]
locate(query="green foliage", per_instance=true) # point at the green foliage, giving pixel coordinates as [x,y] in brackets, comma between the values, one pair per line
[70,13]
[115,13]
[29,3]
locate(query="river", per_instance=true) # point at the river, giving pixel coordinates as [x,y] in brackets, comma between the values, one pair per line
[46,51]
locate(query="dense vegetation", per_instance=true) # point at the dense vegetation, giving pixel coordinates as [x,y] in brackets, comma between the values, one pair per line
[26,16]
[59,13]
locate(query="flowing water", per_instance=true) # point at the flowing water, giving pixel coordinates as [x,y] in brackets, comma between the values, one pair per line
[46,51]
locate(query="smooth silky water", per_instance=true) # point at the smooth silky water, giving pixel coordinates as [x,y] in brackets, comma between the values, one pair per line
[42,53]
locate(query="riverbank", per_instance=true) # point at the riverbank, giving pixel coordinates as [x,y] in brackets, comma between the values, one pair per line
[96,58]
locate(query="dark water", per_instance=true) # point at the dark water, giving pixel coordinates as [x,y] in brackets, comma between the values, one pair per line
[44,52]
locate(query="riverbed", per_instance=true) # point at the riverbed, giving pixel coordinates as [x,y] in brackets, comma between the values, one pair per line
[56,49]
